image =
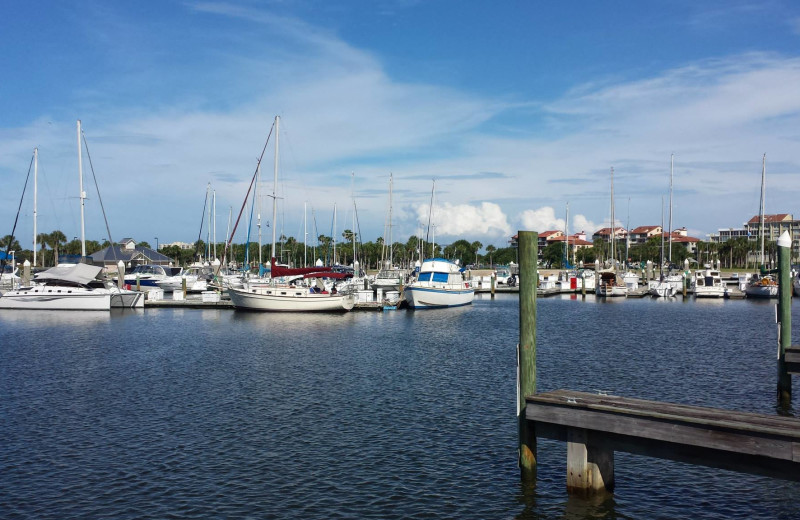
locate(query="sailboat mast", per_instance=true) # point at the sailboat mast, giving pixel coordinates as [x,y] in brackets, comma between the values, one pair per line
[275,188]
[215,224]
[671,165]
[761,222]
[613,221]
[391,261]
[566,236]
[35,189]
[305,235]
[82,193]
[258,222]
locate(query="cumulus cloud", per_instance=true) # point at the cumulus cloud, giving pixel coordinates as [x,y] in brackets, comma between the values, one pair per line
[581,223]
[542,219]
[464,220]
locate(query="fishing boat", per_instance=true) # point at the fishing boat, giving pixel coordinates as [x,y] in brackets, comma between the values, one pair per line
[283,296]
[440,283]
[762,285]
[708,284]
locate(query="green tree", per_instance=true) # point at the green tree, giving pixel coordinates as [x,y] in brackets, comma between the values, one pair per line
[490,249]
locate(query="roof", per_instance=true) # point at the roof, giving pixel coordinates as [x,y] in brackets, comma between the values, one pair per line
[780,217]
[546,234]
[607,230]
[644,229]
[116,253]
[77,273]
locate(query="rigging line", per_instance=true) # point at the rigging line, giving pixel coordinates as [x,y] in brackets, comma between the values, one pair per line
[247,196]
[430,214]
[97,187]
[16,219]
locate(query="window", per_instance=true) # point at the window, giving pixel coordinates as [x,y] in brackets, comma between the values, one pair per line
[440,277]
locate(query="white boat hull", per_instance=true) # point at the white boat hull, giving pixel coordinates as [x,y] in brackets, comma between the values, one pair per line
[609,291]
[127,299]
[761,291]
[57,298]
[289,299]
[661,289]
[431,297]
[709,292]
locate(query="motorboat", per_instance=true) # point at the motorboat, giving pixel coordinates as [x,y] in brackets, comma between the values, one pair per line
[661,288]
[708,284]
[146,275]
[440,283]
[195,277]
[609,285]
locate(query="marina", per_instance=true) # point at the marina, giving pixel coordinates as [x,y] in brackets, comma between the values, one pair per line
[178,411]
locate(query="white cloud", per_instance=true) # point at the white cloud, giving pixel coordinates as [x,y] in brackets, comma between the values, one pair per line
[581,223]
[540,220]
[463,220]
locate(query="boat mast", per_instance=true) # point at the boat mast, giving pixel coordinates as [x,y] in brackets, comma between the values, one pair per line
[215,225]
[566,237]
[333,235]
[35,188]
[258,222]
[82,194]
[613,221]
[353,231]
[391,260]
[671,165]
[761,222]
[275,189]
[661,264]
[305,235]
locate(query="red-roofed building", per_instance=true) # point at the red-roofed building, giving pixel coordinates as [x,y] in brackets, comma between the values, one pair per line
[620,233]
[640,234]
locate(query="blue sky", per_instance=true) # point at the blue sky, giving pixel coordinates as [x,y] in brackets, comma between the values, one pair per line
[514,108]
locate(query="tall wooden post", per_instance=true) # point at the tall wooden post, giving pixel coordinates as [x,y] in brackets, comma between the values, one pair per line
[526,349]
[26,273]
[120,274]
[784,315]
[183,286]
[494,282]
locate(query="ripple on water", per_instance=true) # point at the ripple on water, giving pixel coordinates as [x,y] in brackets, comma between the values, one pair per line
[198,414]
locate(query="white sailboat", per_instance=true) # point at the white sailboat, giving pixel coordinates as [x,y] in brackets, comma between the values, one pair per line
[71,286]
[661,288]
[762,286]
[286,297]
[609,283]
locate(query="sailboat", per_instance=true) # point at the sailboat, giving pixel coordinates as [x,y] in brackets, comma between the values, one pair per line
[608,284]
[71,286]
[661,288]
[284,293]
[388,278]
[762,286]
[440,282]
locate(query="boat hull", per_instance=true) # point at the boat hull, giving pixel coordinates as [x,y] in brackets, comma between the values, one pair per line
[431,298]
[762,291]
[56,299]
[609,291]
[278,299]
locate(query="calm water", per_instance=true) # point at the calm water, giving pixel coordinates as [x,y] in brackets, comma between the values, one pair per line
[173,413]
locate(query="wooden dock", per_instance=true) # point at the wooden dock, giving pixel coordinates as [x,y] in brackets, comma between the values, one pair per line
[595,426]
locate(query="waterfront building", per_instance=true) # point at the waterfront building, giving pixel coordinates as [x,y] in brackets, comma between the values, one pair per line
[130,254]
[640,234]
[774,226]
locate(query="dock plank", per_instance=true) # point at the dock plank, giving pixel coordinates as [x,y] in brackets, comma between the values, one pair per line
[741,441]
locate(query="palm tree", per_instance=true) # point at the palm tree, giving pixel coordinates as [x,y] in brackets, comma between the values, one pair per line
[490,249]
[56,240]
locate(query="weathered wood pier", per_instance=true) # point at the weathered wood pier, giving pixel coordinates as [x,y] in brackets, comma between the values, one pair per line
[595,426]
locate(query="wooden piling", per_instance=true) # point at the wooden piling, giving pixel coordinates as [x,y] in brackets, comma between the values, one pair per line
[784,316]
[26,273]
[183,286]
[526,349]
[120,274]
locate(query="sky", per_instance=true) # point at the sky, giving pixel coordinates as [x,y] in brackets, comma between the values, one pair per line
[514,111]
